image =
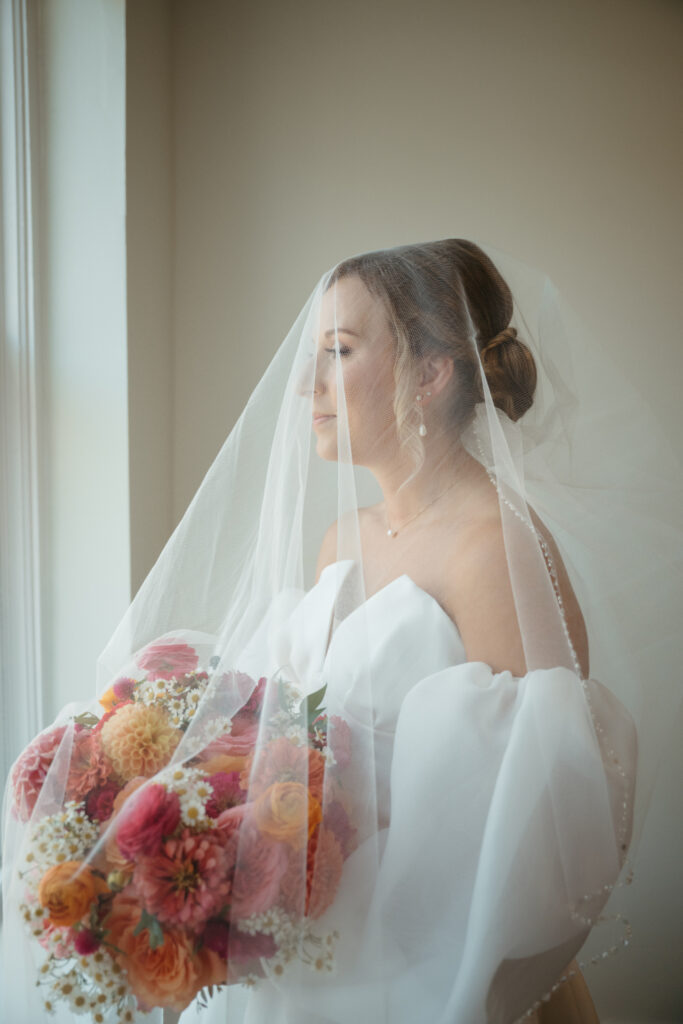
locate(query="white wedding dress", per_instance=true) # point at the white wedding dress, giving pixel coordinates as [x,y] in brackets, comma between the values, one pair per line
[456,750]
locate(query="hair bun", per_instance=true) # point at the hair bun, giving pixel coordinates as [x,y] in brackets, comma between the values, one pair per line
[511,375]
[507,334]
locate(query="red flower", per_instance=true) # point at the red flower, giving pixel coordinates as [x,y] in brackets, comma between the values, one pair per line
[226,793]
[238,946]
[85,941]
[164,661]
[99,804]
[150,816]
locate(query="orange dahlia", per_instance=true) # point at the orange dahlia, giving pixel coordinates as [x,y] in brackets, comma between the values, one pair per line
[139,740]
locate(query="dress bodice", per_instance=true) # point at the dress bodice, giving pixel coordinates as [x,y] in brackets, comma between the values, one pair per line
[399,635]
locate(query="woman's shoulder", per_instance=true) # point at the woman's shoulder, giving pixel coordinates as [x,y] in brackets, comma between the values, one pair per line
[327,554]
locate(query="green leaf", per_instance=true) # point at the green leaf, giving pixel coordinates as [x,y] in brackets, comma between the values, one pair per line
[87,719]
[314,702]
[149,922]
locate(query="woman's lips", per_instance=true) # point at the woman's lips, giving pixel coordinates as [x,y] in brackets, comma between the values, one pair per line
[321,419]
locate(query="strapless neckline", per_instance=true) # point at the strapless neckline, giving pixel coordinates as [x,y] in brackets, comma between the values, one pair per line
[404,579]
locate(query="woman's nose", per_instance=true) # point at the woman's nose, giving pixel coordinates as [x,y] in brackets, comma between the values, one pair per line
[310,380]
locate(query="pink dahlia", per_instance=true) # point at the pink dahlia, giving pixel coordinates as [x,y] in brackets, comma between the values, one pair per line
[139,739]
[188,881]
[150,816]
[164,661]
[261,863]
[31,768]
[227,792]
[89,768]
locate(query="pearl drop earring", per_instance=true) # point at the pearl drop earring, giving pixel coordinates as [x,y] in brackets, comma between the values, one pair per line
[422,430]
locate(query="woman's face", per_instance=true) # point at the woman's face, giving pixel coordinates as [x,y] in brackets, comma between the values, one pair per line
[366,361]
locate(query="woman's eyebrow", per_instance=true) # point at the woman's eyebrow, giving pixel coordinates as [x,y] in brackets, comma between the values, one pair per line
[341,330]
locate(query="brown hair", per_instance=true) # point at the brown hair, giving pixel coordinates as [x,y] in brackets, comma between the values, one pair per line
[436,295]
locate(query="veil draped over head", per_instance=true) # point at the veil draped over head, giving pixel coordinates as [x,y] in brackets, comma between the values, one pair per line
[355,760]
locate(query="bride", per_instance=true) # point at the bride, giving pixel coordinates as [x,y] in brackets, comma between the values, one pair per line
[432,449]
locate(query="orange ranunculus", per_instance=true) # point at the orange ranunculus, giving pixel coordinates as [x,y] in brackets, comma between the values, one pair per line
[222,763]
[168,975]
[286,811]
[67,892]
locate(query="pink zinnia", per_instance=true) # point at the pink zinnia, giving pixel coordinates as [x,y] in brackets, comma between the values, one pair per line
[226,793]
[149,817]
[31,768]
[188,881]
[164,661]
[260,866]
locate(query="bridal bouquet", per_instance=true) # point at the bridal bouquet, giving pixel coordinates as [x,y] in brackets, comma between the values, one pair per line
[154,881]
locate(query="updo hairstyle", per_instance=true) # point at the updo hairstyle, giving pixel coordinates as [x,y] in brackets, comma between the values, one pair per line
[436,294]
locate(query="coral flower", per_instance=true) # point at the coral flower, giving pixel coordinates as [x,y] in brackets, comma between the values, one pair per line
[31,768]
[259,869]
[324,869]
[153,814]
[188,881]
[139,740]
[90,768]
[67,891]
[288,813]
[284,761]
[167,975]
[164,661]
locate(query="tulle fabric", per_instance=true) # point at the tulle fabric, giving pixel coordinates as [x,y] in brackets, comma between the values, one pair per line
[466,829]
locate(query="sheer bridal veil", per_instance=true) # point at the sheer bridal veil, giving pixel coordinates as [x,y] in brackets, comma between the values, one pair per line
[457,850]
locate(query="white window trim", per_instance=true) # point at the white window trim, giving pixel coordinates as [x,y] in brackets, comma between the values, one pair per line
[21,691]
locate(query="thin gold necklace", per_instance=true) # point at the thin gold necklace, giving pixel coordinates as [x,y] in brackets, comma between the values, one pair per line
[394,533]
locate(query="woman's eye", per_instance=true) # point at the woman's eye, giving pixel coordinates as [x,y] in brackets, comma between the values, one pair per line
[343,351]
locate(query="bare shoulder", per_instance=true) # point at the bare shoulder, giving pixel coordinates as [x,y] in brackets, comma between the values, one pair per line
[367,517]
[328,550]
[478,595]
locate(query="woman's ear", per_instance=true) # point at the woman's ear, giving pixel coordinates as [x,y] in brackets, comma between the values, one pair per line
[435,372]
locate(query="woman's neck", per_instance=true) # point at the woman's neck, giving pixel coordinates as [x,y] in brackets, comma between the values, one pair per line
[443,470]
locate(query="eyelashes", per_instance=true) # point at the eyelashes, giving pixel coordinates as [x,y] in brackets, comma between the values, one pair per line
[343,351]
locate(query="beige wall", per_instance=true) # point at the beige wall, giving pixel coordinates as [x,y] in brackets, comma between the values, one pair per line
[301,133]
